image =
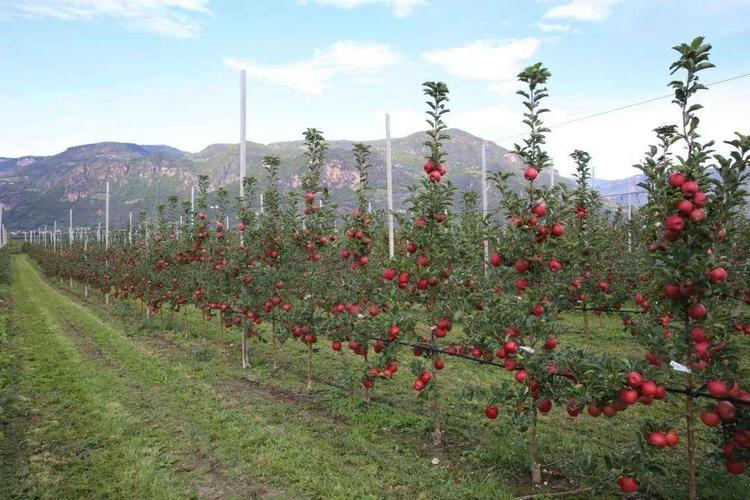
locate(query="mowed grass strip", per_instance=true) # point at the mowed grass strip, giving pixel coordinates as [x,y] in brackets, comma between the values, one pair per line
[291,452]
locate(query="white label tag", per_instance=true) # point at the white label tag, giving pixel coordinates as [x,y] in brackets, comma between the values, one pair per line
[679,367]
[527,349]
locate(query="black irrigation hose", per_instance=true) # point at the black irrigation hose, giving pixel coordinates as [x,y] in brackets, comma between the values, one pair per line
[608,310]
[691,392]
[481,361]
[431,348]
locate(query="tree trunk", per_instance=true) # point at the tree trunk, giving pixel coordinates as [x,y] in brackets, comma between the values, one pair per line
[244,348]
[586,327]
[309,368]
[437,433]
[690,417]
[536,472]
[274,348]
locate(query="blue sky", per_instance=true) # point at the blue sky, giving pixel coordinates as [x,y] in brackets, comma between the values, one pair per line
[166,71]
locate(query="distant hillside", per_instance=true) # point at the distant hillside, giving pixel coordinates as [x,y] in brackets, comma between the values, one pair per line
[38,190]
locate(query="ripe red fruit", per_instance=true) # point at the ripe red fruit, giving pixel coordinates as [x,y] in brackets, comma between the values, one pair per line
[496,259]
[435,176]
[439,364]
[545,405]
[425,377]
[697,311]
[628,484]
[684,207]
[657,439]
[522,284]
[554,265]
[594,410]
[726,411]
[419,385]
[537,310]
[675,224]
[389,273]
[672,438]
[557,230]
[573,408]
[649,388]
[717,388]
[710,418]
[522,265]
[672,291]
[677,179]
[697,215]
[635,379]
[521,376]
[550,344]
[735,467]
[689,188]
[491,412]
[530,174]
[336,345]
[510,347]
[629,396]
[700,199]
[718,275]
[539,210]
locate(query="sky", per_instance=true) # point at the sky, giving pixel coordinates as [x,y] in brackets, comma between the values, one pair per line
[167,71]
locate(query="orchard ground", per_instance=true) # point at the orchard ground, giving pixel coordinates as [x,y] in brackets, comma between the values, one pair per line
[97,401]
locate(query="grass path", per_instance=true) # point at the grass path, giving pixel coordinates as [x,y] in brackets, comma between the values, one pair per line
[98,415]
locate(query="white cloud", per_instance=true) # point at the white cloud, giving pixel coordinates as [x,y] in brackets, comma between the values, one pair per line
[582,10]
[555,28]
[487,60]
[353,58]
[400,8]
[176,18]
[618,140]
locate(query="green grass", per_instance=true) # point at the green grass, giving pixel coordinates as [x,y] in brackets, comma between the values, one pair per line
[110,416]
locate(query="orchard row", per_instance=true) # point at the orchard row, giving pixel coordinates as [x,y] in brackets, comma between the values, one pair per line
[461,284]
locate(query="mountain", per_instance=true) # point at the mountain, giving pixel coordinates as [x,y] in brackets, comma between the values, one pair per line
[37,190]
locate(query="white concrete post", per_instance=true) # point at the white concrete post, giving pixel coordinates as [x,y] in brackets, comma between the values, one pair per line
[389,185]
[484,203]
[106,223]
[243,123]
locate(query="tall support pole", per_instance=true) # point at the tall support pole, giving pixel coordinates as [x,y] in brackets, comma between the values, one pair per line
[70,228]
[389,185]
[45,236]
[484,203]
[261,203]
[54,237]
[106,221]
[2,236]
[130,228]
[192,203]
[243,123]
